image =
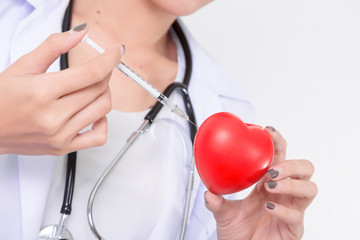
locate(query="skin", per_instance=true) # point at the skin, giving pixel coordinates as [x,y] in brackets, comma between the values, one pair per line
[55,108]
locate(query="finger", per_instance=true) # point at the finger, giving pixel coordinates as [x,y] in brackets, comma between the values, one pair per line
[74,102]
[280,145]
[222,209]
[79,77]
[215,203]
[90,114]
[292,187]
[296,169]
[39,60]
[293,218]
[61,144]
[92,138]
[82,119]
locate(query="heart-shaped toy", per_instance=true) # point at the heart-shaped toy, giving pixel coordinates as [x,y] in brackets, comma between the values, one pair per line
[231,155]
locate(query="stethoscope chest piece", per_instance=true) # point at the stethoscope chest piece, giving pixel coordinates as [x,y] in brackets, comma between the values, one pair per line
[49,233]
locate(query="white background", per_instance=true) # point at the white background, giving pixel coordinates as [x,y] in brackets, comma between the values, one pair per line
[300,62]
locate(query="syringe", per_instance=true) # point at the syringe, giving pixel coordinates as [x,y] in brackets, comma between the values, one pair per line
[143,83]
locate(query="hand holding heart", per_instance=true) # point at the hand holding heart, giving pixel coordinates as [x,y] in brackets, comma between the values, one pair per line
[275,208]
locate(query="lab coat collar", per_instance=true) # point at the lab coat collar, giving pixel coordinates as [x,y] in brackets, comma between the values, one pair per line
[211,84]
[27,37]
[35,3]
[38,3]
[216,77]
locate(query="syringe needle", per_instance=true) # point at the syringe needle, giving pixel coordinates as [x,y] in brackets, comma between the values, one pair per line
[143,83]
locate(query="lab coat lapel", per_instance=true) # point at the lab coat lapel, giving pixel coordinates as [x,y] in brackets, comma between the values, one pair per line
[34,29]
[170,221]
[207,92]
[35,174]
[202,111]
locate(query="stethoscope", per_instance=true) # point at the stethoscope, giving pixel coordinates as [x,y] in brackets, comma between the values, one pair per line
[59,231]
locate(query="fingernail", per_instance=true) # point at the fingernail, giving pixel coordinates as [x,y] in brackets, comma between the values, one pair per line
[270,205]
[273,173]
[271,128]
[79,27]
[271,184]
[205,199]
[122,50]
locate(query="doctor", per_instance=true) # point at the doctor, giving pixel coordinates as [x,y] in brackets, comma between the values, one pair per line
[46,114]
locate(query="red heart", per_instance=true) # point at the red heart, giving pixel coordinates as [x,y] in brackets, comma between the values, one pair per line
[231,155]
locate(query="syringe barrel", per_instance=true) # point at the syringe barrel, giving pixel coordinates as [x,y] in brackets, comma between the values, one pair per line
[139,80]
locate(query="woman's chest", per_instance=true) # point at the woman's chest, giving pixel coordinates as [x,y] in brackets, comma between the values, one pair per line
[136,192]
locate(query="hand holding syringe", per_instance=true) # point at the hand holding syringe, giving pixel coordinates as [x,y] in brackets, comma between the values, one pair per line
[143,83]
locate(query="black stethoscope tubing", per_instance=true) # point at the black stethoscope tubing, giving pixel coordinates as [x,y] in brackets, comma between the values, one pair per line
[71,157]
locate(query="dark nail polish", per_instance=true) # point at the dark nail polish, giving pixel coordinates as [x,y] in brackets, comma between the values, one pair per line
[270,205]
[271,184]
[273,173]
[80,27]
[271,128]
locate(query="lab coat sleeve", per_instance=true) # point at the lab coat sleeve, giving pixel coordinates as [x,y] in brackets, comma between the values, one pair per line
[213,89]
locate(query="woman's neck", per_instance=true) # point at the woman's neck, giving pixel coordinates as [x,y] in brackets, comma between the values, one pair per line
[137,24]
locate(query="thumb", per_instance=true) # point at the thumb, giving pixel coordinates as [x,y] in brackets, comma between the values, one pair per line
[39,60]
[215,203]
[223,209]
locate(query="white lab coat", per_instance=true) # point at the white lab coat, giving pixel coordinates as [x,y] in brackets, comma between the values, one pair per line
[25,180]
